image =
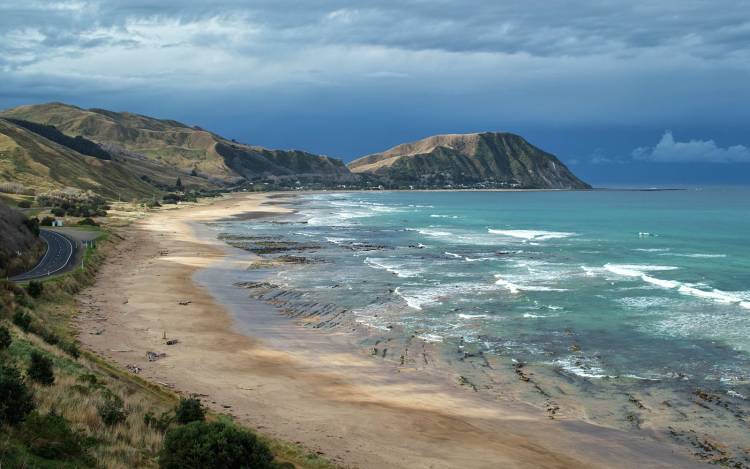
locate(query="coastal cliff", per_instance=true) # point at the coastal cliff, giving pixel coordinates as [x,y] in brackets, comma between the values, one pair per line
[490,158]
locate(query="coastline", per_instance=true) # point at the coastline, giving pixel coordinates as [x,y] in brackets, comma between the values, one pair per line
[305,385]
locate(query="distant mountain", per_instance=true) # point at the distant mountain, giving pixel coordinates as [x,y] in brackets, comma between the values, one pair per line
[491,158]
[180,148]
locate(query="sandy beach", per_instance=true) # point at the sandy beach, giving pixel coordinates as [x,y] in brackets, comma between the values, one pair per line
[170,276]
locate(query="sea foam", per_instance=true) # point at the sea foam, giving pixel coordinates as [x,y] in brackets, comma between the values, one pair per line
[640,271]
[532,235]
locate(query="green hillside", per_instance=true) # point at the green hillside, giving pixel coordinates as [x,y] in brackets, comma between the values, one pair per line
[35,162]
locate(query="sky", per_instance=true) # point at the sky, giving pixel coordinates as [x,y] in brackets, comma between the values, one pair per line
[638,92]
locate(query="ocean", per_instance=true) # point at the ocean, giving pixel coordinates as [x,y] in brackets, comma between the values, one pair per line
[595,293]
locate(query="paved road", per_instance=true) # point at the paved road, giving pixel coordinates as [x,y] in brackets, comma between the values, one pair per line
[59,256]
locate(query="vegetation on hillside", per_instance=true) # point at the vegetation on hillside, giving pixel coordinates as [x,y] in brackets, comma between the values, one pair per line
[20,246]
[73,202]
[80,144]
[32,162]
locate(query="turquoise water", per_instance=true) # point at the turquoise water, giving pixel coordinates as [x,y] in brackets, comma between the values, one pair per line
[653,285]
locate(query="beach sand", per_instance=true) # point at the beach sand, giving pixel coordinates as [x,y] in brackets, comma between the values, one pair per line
[312,386]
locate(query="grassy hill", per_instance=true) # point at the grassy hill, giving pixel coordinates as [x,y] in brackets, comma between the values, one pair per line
[159,144]
[490,157]
[36,162]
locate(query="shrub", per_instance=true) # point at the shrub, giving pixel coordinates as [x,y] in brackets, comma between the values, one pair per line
[40,369]
[33,225]
[189,410]
[47,221]
[48,336]
[71,348]
[160,423]
[22,320]
[111,410]
[51,437]
[5,338]
[24,204]
[58,211]
[88,222]
[215,445]
[16,400]
[35,289]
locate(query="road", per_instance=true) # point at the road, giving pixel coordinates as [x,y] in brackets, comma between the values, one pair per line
[59,256]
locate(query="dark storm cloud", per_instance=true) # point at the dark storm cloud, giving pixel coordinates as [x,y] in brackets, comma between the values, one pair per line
[416,67]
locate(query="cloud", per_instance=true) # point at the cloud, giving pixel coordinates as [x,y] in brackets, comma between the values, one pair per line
[693,151]
[429,67]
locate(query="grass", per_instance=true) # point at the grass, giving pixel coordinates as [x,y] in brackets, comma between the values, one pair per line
[83,384]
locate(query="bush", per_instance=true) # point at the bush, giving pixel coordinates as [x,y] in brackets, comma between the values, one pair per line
[71,348]
[88,222]
[40,369]
[47,221]
[5,338]
[24,204]
[160,423]
[51,437]
[33,225]
[111,411]
[22,320]
[35,289]
[215,445]
[58,211]
[16,400]
[189,410]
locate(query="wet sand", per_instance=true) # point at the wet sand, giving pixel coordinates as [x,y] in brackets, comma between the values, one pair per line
[311,386]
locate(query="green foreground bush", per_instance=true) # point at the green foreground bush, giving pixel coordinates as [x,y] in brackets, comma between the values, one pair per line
[40,369]
[5,338]
[16,400]
[189,410]
[51,437]
[215,445]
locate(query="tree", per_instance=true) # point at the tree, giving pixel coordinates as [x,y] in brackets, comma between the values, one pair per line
[111,410]
[22,320]
[40,369]
[189,410]
[51,437]
[35,288]
[16,400]
[178,183]
[194,172]
[215,445]
[5,338]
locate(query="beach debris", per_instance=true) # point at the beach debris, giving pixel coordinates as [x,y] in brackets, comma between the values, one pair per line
[185,302]
[164,335]
[551,408]
[173,342]
[153,356]
[464,381]
[133,368]
[97,332]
